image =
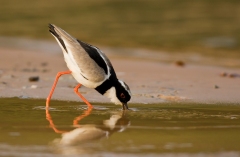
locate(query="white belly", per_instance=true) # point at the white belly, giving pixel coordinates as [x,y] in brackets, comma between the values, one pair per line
[76,72]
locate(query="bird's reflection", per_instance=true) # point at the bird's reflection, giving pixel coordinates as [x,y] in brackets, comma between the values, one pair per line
[73,141]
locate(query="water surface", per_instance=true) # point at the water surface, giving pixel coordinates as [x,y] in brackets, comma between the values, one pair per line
[70,129]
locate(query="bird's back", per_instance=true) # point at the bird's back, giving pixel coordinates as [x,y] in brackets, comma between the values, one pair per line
[82,59]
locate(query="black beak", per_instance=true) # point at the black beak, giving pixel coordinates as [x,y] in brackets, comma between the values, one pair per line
[125,106]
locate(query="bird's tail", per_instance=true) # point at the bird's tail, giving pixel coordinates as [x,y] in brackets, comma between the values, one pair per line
[53,31]
[62,36]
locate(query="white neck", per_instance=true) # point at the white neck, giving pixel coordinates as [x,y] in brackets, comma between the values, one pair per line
[111,94]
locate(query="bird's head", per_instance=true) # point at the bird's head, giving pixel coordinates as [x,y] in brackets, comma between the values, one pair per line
[119,94]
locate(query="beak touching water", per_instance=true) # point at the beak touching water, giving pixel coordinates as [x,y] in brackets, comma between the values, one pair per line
[125,106]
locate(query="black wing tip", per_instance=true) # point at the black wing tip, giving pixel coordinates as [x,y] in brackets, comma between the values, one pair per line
[50,25]
[54,33]
[82,43]
[51,28]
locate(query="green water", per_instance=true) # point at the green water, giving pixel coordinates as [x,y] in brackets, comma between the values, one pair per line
[70,129]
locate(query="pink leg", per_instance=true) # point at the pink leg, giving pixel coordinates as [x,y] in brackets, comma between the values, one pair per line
[54,86]
[80,95]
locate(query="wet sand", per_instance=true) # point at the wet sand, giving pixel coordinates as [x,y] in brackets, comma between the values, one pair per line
[150,80]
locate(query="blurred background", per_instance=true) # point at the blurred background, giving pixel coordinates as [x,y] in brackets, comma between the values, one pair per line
[206,27]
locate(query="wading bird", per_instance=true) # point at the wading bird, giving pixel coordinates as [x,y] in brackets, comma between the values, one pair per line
[90,67]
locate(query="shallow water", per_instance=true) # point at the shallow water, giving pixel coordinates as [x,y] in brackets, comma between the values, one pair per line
[70,129]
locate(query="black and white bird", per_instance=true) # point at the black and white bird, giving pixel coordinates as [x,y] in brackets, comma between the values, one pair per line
[90,67]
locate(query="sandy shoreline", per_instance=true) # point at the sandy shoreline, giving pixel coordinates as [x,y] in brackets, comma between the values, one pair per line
[150,81]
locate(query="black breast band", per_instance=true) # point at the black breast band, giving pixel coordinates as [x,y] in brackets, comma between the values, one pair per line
[104,86]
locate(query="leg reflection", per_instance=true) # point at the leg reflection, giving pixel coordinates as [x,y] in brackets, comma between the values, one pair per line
[79,140]
[75,122]
[85,114]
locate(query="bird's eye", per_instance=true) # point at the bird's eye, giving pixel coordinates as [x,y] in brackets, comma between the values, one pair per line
[122,95]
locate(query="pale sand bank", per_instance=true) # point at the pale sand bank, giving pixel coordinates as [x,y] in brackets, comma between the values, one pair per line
[150,81]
